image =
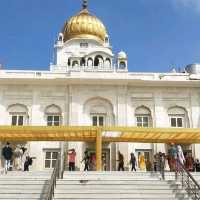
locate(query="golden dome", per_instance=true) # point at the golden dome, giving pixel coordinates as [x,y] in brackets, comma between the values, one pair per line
[84,26]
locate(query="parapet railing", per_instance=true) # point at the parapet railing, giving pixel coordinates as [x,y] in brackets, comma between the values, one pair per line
[187,181]
[54,176]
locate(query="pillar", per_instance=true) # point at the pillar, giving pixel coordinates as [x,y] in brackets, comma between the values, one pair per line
[99,151]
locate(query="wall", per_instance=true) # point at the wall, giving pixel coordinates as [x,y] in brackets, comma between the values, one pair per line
[124,100]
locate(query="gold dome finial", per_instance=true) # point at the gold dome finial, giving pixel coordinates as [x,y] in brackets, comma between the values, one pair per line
[85,4]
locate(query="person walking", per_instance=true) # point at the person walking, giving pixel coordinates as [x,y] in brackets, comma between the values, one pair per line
[172,156]
[121,161]
[18,157]
[180,155]
[24,158]
[133,162]
[71,159]
[189,162]
[7,154]
[86,160]
[141,162]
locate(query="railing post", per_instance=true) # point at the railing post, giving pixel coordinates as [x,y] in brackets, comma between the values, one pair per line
[99,150]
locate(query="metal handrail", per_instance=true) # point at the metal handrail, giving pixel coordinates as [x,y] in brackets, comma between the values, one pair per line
[187,180]
[54,176]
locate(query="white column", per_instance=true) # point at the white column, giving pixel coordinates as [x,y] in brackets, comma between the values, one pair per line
[160,119]
[121,120]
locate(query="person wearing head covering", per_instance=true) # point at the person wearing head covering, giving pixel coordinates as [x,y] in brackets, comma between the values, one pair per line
[141,162]
[180,155]
[18,157]
[189,162]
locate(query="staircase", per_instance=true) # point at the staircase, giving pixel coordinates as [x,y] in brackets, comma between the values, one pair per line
[171,176]
[117,185]
[24,185]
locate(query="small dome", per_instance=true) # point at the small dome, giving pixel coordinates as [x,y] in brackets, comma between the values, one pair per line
[84,26]
[122,55]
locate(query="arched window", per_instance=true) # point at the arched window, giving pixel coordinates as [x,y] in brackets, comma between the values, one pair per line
[74,63]
[107,63]
[106,39]
[98,61]
[90,62]
[83,62]
[60,37]
[143,117]
[53,115]
[18,114]
[69,62]
[99,112]
[122,65]
[178,117]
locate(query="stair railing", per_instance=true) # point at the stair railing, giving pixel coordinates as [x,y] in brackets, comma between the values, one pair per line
[55,174]
[187,181]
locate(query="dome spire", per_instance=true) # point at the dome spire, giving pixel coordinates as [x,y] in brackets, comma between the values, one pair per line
[85,4]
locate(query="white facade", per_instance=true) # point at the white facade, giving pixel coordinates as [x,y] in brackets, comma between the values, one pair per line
[87,84]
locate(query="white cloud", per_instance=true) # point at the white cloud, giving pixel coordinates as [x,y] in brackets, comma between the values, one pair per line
[192,4]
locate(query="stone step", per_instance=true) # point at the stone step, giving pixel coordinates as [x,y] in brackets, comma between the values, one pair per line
[109,182]
[24,182]
[118,195]
[132,198]
[20,196]
[24,191]
[21,186]
[114,191]
[116,186]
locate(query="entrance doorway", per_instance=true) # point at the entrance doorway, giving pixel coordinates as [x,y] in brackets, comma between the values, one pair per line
[105,159]
[148,155]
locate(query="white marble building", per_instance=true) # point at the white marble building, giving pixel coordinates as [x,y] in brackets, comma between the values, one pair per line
[89,85]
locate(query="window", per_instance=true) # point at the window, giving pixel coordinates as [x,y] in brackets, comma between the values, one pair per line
[142,121]
[178,117]
[98,120]
[18,120]
[53,115]
[84,45]
[143,117]
[177,121]
[53,120]
[50,159]
[18,114]
[75,63]
[122,65]
[98,61]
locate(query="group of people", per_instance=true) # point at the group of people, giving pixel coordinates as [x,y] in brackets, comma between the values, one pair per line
[161,161]
[17,158]
[89,160]
[176,152]
[169,162]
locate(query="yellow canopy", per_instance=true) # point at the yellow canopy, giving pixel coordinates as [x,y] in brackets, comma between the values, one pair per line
[109,134]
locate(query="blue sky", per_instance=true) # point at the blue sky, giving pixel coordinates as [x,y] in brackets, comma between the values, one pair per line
[156,34]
